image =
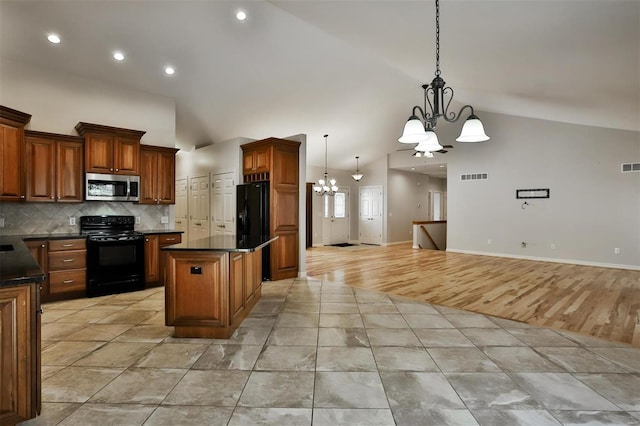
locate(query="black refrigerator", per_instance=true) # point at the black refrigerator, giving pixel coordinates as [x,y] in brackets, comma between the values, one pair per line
[252,203]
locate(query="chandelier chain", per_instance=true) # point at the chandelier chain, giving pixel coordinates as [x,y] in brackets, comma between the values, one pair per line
[437,38]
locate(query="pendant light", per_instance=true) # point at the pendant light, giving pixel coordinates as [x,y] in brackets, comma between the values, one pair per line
[326,185]
[357,175]
[419,128]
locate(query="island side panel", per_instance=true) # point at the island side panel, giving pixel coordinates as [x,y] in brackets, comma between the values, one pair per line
[197,293]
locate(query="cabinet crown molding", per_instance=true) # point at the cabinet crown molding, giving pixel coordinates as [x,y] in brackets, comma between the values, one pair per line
[14,115]
[84,128]
[47,135]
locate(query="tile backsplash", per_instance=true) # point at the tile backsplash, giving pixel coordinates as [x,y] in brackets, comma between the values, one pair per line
[53,218]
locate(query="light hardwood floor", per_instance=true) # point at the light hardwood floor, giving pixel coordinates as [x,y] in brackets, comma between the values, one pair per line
[600,302]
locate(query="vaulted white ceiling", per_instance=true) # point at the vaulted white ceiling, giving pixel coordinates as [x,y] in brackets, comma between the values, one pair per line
[352,69]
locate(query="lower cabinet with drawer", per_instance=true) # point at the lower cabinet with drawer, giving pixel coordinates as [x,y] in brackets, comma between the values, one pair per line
[67,264]
[153,260]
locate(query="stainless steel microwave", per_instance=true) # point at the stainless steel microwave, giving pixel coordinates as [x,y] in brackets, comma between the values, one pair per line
[101,187]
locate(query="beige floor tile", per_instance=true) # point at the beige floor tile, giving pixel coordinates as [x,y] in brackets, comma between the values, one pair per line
[139,386]
[77,384]
[145,333]
[127,317]
[172,355]
[99,332]
[116,354]
[109,414]
[66,353]
[58,331]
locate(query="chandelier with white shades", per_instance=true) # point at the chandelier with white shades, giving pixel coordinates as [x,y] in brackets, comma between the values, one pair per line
[419,127]
[326,185]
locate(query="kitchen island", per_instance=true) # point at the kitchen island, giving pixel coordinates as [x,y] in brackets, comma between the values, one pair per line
[20,319]
[211,284]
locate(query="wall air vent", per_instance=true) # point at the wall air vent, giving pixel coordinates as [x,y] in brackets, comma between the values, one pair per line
[474,176]
[630,167]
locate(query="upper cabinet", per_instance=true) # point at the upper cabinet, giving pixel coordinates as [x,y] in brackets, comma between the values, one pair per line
[53,167]
[256,162]
[157,175]
[12,182]
[111,150]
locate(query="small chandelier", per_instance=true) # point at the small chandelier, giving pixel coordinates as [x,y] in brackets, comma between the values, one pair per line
[326,186]
[357,175]
[419,127]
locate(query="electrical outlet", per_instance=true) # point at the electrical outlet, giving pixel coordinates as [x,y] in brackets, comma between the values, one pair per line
[1,222]
[164,219]
[72,221]
[553,246]
[523,244]
[137,220]
[489,241]
[616,250]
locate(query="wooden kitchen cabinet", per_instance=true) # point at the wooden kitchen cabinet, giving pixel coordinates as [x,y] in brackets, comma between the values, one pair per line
[157,175]
[54,167]
[67,262]
[20,322]
[256,160]
[110,150]
[12,182]
[283,169]
[153,260]
[40,251]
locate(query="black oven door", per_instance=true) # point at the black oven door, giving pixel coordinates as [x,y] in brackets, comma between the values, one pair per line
[114,265]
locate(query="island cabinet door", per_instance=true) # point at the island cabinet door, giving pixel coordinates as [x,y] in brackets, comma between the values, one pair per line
[196,291]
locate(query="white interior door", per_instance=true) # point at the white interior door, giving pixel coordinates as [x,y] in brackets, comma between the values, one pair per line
[370,214]
[198,207]
[181,212]
[335,223]
[223,203]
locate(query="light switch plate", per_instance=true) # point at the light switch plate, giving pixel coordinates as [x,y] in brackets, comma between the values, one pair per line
[72,221]
[164,219]
[137,220]
[1,222]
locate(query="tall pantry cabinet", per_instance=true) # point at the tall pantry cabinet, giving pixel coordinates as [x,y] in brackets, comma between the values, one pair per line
[277,161]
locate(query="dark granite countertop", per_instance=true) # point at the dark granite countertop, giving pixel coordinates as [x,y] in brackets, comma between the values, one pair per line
[159,231]
[65,236]
[222,243]
[17,265]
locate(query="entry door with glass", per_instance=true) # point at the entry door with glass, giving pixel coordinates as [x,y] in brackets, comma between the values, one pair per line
[335,224]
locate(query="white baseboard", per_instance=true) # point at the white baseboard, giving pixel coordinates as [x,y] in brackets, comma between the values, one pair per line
[547,259]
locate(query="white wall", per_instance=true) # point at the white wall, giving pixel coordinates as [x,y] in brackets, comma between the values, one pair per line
[58,101]
[593,208]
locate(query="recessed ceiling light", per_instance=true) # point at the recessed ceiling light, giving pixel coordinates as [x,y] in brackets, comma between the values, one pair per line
[441,165]
[413,168]
[241,15]
[53,38]
[169,70]
[118,56]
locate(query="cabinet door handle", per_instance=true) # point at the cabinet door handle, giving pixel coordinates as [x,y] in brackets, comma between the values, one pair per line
[68,260]
[170,239]
[68,245]
[53,198]
[22,197]
[146,239]
[68,282]
[43,246]
[110,169]
[117,170]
